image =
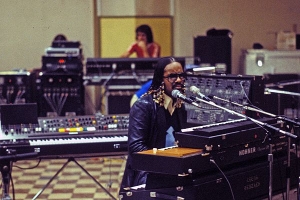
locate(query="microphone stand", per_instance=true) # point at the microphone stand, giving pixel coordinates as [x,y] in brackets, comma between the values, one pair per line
[281,84]
[5,167]
[132,66]
[279,92]
[105,85]
[283,118]
[270,155]
[112,74]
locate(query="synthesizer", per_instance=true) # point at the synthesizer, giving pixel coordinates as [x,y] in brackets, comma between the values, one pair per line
[131,71]
[69,136]
[241,143]
[98,66]
[200,161]
[224,134]
[234,88]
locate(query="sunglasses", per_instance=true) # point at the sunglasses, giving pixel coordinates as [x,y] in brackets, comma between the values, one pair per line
[173,77]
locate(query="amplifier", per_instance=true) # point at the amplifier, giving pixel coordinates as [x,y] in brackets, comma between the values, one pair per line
[16,114]
[62,63]
[15,87]
[118,101]
[60,94]
[65,44]
[214,50]
[74,52]
[278,104]
[247,181]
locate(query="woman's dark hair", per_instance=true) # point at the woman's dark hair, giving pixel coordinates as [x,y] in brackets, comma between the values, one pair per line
[147,30]
[60,37]
[158,75]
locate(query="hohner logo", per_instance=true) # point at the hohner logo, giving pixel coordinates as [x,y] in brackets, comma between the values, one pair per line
[247,151]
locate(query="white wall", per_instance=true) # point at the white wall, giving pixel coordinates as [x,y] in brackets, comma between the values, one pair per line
[27,27]
[250,20]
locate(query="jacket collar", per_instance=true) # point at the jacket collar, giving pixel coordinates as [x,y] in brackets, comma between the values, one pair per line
[168,104]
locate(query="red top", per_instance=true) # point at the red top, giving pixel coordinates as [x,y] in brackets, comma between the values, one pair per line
[152,48]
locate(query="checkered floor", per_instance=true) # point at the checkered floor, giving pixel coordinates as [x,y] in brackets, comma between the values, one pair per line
[72,183]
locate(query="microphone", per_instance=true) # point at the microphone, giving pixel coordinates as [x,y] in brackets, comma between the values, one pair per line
[179,95]
[196,90]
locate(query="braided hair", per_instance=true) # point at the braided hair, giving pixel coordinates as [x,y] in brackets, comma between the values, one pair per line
[157,86]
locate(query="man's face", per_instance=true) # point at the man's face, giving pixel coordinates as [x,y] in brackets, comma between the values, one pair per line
[140,36]
[173,78]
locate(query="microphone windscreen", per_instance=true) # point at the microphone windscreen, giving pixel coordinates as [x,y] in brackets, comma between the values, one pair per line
[175,93]
[194,89]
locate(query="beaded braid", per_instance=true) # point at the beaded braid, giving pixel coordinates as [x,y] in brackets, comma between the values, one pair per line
[158,96]
[157,88]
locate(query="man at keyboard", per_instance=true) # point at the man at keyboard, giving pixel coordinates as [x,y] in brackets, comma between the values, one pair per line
[155,117]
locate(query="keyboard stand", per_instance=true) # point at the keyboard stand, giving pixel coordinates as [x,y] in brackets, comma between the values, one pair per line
[64,165]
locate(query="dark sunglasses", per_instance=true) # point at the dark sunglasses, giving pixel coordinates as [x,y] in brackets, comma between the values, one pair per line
[173,77]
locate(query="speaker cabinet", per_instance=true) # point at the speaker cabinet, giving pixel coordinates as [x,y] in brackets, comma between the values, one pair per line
[118,101]
[280,103]
[213,50]
[298,41]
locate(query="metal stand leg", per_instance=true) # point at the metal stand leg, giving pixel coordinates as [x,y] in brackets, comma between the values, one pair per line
[6,168]
[99,184]
[5,171]
[270,159]
[298,192]
[64,165]
[288,171]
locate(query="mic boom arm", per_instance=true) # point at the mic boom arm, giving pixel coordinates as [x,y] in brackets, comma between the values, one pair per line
[260,111]
[244,116]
